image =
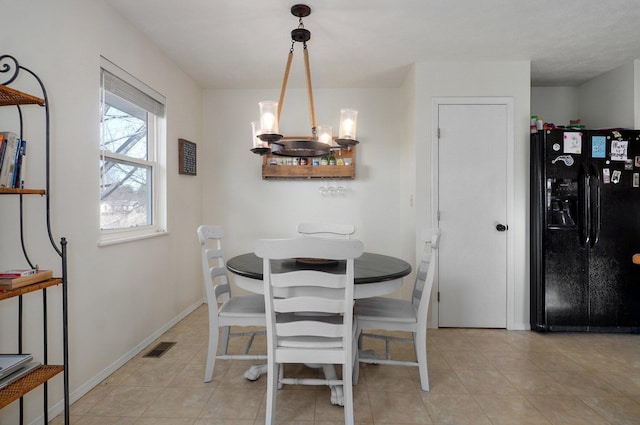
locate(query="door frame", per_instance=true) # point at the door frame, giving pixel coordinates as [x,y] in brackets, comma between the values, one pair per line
[510,170]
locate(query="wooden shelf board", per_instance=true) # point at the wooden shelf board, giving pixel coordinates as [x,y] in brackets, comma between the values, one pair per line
[8,191]
[10,96]
[29,288]
[27,383]
[308,171]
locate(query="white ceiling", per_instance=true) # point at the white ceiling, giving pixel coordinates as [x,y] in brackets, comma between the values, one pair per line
[372,43]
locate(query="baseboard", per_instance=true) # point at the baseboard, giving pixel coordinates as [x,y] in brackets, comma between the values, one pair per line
[83,389]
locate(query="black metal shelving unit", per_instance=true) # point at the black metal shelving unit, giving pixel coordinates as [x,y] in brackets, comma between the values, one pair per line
[10,69]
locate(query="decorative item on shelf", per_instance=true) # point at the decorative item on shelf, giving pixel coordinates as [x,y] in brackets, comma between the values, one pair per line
[268,139]
[332,188]
[7,284]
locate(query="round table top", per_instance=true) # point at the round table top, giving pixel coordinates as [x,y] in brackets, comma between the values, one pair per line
[368,268]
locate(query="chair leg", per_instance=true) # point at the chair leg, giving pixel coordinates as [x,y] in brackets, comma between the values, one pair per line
[420,341]
[272,386]
[211,352]
[356,359]
[347,390]
[280,376]
[224,344]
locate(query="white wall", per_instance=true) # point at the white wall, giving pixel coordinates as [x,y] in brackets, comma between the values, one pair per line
[510,79]
[377,201]
[557,105]
[120,296]
[609,100]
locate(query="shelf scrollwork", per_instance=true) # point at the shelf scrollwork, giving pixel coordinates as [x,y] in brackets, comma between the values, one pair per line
[10,66]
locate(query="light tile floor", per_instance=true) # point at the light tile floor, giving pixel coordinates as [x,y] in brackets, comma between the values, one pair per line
[478,376]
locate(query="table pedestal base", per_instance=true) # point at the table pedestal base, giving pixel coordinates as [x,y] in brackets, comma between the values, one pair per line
[255,371]
[337,395]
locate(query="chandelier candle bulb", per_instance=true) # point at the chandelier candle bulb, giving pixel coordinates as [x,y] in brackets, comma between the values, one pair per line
[348,123]
[257,145]
[325,134]
[269,116]
[255,132]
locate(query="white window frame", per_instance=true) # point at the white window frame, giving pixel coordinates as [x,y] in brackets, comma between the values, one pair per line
[156,146]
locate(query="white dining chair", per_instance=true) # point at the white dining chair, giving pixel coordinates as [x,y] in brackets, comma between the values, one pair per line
[392,314]
[245,310]
[327,229]
[309,313]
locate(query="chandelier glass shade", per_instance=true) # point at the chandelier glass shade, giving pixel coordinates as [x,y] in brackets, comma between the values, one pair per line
[266,135]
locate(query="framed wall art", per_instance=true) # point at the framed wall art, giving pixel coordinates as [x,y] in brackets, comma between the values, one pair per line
[187,158]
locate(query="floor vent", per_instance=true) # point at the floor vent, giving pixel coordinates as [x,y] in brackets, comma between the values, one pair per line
[160,349]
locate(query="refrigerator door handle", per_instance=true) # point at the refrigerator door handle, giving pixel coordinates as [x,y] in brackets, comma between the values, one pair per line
[594,205]
[585,225]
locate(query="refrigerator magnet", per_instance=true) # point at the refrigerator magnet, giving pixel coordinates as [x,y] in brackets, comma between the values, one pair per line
[636,179]
[606,177]
[572,142]
[638,161]
[615,177]
[598,147]
[619,150]
[628,164]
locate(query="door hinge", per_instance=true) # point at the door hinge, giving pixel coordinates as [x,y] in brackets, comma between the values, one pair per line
[438,215]
[438,133]
[438,296]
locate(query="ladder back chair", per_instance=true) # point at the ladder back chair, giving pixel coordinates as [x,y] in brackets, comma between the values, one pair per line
[310,313]
[233,311]
[392,314]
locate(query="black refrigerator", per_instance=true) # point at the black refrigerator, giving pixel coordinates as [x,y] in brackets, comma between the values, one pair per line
[585,229]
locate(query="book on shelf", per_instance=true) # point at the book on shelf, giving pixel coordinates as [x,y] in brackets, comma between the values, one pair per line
[19,373]
[18,282]
[10,274]
[18,171]
[3,146]
[10,363]
[8,161]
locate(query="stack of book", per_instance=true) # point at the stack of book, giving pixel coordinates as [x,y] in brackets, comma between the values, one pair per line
[13,279]
[14,367]
[12,152]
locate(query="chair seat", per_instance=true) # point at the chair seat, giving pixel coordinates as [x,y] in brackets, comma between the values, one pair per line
[386,309]
[243,306]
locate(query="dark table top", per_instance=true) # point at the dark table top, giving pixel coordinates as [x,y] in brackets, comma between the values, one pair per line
[369,268]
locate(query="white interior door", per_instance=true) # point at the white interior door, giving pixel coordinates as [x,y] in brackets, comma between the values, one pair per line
[471,204]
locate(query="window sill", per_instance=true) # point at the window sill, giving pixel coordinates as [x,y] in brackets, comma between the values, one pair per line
[118,237]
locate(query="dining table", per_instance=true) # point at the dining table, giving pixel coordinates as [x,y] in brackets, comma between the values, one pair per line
[374,275]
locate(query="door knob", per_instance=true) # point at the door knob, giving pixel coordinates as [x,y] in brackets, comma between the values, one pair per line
[501,227]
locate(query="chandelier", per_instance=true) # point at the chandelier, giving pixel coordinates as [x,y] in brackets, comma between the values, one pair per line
[266,136]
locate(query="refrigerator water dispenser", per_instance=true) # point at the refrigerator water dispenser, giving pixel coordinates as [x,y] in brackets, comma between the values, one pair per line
[562,202]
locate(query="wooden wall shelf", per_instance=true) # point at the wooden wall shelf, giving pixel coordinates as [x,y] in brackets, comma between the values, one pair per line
[10,96]
[310,171]
[23,385]
[12,191]
[10,293]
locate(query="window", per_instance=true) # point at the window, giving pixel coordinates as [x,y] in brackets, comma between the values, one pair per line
[131,182]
